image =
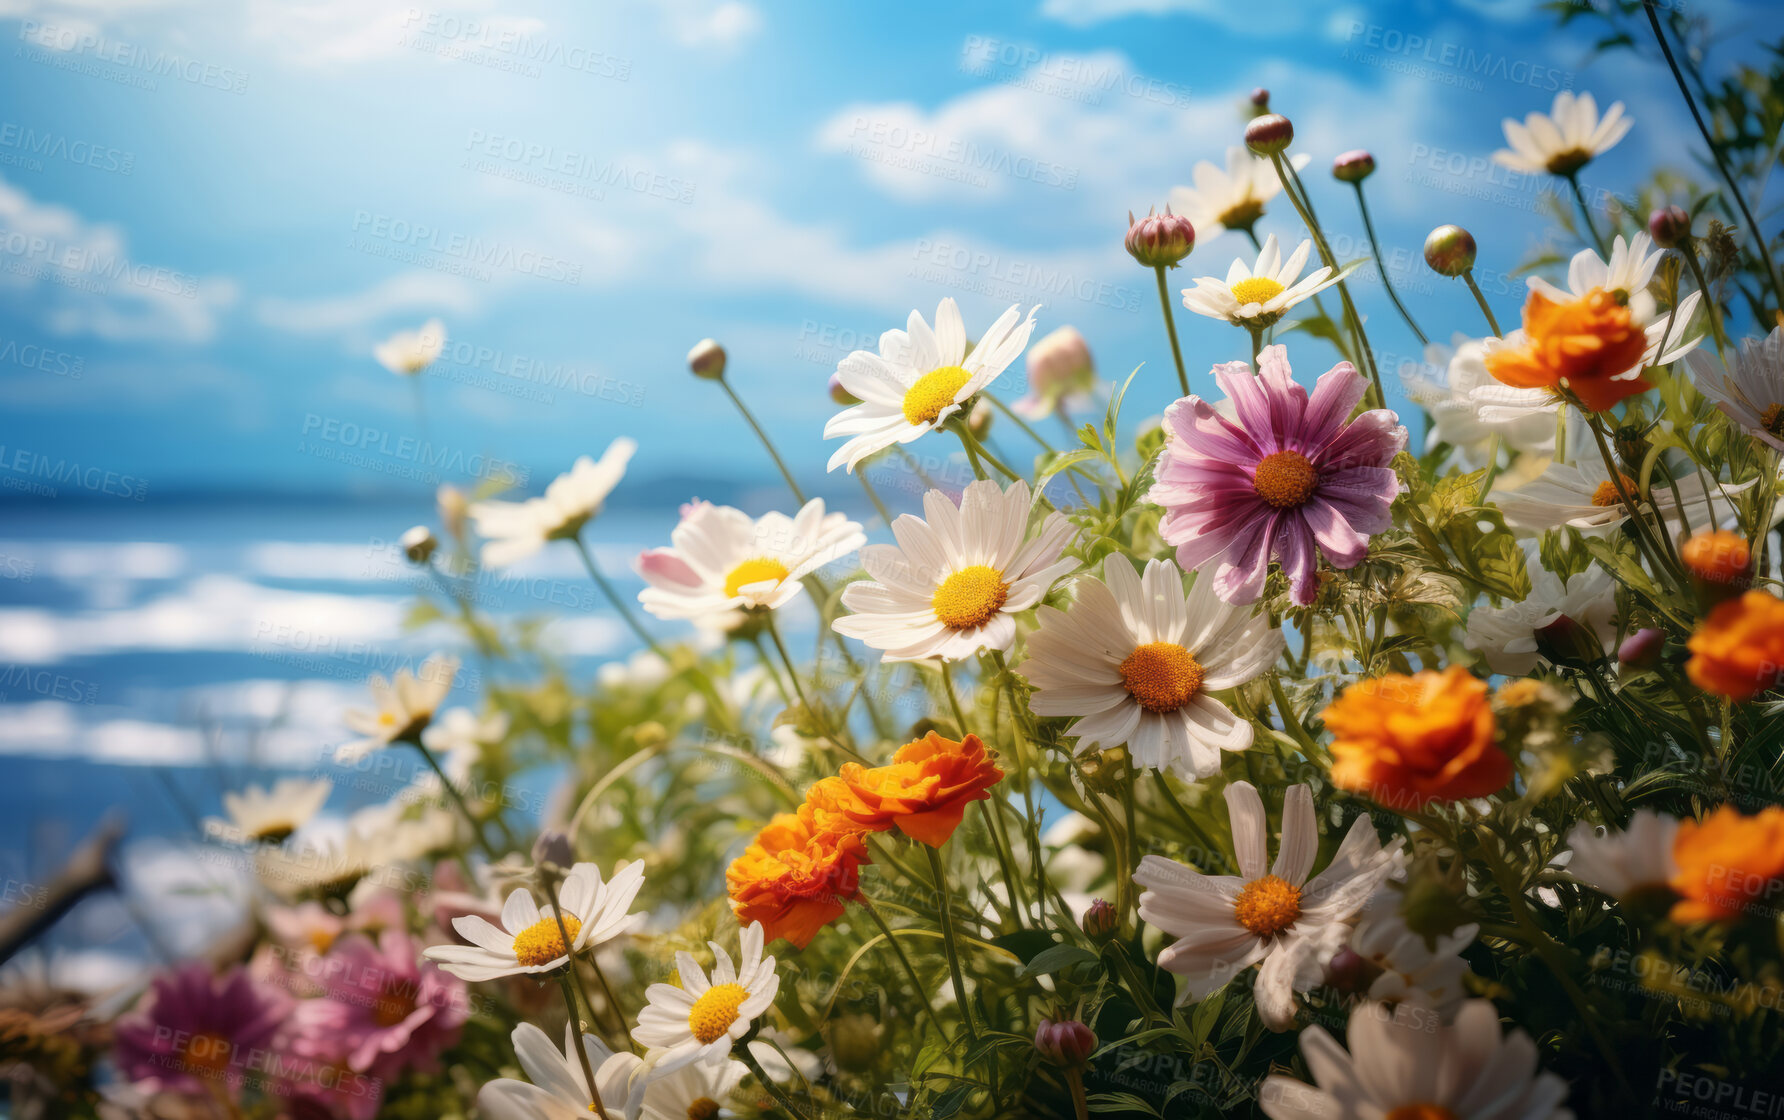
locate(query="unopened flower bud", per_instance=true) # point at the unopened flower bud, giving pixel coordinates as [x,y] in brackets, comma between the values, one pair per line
[1431,908]
[1449,250]
[1260,98]
[1353,166]
[650,733]
[1060,362]
[854,1041]
[419,544]
[841,395]
[707,359]
[1720,564]
[1068,1044]
[1669,226]
[1350,972]
[553,847]
[1269,134]
[1565,642]
[1101,921]
[1641,650]
[1160,240]
[453,506]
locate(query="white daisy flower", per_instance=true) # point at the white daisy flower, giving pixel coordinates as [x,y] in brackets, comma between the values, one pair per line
[1627,274]
[406,706]
[1507,636]
[559,1089]
[1751,390]
[409,352]
[326,869]
[697,1091]
[1565,139]
[262,816]
[1581,496]
[1135,660]
[723,562]
[1624,864]
[919,379]
[1400,966]
[513,531]
[1400,1063]
[1278,918]
[1445,386]
[699,1021]
[956,581]
[528,940]
[1256,297]
[1229,198]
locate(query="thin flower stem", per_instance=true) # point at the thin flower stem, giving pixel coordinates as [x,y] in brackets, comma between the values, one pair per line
[1740,200]
[1688,250]
[588,1074]
[1292,187]
[996,463]
[457,799]
[1659,558]
[1492,472]
[1382,265]
[949,942]
[613,597]
[780,647]
[742,1052]
[1164,302]
[1480,298]
[904,959]
[998,840]
[874,497]
[1579,196]
[1189,822]
[1080,1103]
[557,914]
[792,483]
[1016,418]
[1257,344]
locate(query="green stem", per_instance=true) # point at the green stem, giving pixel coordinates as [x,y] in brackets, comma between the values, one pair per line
[1688,250]
[1292,187]
[741,1051]
[1164,302]
[874,497]
[949,942]
[1382,265]
[613,597]
[792,483]
[921,989]
[1485,308]
[588,1075]
[457,798]
[819,721]
[1579,196]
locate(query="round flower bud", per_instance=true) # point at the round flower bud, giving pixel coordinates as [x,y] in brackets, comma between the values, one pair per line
[1269,134]
[1565,642]
[419,544]
[1641,650]
[1719,563]
[1449,250]
[1067,1044]
[1353,166]
[453,506]
[854,1041]
[1349,972]
[553,847]
[1160,240]
[1101,921]
[1260,97]
[841,395]
[1669,226]
[707,359]
[1430,907]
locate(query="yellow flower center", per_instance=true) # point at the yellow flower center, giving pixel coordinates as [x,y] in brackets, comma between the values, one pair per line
[934,391]
[754,571]
[1285,479]
[387,719]
[541,942]
[1566,163]
[1606,494]
[1420,1112]
[272,832]
[1256,289]
[1161,676]
[206,1055]
[1267,906]
[320,939]
[714,1012]
[703,1109]
[1772,419]
[1241,215]
[970,597]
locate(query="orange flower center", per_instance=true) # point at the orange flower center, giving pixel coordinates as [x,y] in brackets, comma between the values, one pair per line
[970,597]
[1772,419]
[1606,494]
[393,1005]
[934,391]
[1285,479]
[1267,906]
[1420,1112]
[1161,676]
[542,942]
[762,570]
[704,1108]
[206,1054]
[715,1011]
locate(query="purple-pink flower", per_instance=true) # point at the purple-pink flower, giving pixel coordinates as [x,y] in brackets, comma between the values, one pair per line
[196,1032]
[1292,478]
[384,1010]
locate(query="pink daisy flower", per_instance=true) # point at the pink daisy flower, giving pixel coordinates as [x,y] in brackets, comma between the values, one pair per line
[1289,478]
[195,1031]
[385,1009]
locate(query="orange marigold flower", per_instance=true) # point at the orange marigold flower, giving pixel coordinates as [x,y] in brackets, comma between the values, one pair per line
[795,881]
[1719,558]
[926,787]
[1727,864]
[1409,740]
[1581,344]
[831,808]
[1738,652]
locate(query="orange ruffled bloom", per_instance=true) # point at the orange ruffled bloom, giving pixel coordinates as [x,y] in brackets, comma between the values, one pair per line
[1728,864]
[926,788]
[793,880]
[1738,652]
[1581,345]
[1407,741]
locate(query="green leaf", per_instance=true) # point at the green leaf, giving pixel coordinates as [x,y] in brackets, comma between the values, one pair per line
[1063,460]
[1057,959]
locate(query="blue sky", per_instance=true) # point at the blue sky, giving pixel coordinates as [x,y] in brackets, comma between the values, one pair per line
[593,188]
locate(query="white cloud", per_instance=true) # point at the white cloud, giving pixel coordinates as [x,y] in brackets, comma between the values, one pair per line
[724,26]
[323,32]
[415,292]
[86,282]
[1273,20]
